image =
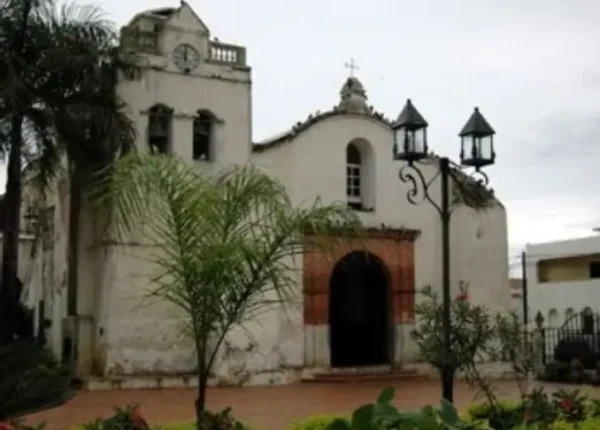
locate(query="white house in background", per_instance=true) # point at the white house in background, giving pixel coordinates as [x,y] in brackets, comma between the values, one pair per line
[193,100]
[563,278]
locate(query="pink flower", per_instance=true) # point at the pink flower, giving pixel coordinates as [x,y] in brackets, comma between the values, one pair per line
[137,420]
[462,297]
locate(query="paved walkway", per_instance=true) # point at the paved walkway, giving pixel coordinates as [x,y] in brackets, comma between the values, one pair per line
[265,408]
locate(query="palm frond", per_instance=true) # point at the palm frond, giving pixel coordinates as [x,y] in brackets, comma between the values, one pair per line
[42,154]
[225,245]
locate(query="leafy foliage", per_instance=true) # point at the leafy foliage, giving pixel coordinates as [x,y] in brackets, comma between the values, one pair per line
[516,345]
[30,379]
[57,92]
[127,418]
[561,409]
[317,422]
[472,330]
[222,420]
[382,415]
[224,246]
[571,405]
[19,425]
[130,418]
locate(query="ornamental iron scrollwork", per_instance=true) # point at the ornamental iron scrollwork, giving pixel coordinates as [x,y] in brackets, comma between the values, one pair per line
[468,188]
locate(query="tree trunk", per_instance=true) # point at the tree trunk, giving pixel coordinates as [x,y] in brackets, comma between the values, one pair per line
[202,381]
[9,296]
[75,201]
[75,206]
[10,234]
[201,399]
[447,377]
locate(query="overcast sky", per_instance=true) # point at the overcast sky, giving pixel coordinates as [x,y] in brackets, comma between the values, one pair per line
[532,66]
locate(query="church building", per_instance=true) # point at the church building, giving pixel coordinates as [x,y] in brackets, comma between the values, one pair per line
[193,99]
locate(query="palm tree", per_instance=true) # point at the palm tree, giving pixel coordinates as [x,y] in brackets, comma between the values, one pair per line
[16,97]
[95,129]
[59,83]
[225,244]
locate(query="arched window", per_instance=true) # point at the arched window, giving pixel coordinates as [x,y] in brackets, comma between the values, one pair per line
[203,136]
[587,321]
[569,313]
[160,118]
[353,176]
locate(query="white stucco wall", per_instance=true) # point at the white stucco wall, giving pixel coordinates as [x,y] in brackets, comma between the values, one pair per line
[223,89]
[128,337]
[311,166]
[314,164]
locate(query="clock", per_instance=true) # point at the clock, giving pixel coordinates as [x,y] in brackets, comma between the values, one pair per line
[186,57]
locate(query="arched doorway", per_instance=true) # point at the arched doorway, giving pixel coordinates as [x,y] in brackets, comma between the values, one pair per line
[359,311]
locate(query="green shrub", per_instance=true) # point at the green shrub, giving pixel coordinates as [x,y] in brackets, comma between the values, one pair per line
[130,418]
[382,414]
[589,424]
[127,418]
[188,425]
[506,415]
[540,408]
[484,411]
[174,426]
[563,425]
[30,379]
[317,422]
[18,425]
[571,405]
[592,408]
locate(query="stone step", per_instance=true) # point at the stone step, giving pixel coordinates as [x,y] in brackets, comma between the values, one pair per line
[138,382]
[367,375]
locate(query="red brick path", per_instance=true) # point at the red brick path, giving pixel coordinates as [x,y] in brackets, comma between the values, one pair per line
[265,408]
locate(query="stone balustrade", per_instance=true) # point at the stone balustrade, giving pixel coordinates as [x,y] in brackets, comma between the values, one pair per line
[228,54]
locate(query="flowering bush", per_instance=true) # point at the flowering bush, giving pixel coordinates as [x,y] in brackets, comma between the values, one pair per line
[471,333]
[571,405]
[563,410]
[18,425]
[127,418]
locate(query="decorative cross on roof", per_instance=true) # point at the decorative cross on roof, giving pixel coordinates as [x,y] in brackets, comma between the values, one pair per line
[352,66]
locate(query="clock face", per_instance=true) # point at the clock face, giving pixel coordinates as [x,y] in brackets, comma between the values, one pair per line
[186,57]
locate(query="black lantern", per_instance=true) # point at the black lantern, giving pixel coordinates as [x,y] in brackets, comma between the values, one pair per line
[410,135]
[477,142]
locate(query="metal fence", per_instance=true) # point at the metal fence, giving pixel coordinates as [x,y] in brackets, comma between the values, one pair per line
[578,338]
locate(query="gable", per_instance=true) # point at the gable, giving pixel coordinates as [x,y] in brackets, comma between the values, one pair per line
[185,18]
[301,126]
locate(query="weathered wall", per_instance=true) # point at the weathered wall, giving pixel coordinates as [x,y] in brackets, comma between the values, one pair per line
[314,164]
[141,337]
[130,338]
[270,349]
[222,88]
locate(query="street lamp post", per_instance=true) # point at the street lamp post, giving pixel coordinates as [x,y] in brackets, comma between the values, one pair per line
[477,150]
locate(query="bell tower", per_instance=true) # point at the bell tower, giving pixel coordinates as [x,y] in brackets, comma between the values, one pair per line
[193,95]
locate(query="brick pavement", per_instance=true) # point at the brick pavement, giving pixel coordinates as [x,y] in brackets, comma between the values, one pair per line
[265,408]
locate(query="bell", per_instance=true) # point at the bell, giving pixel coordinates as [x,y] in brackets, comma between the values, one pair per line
[157,130]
